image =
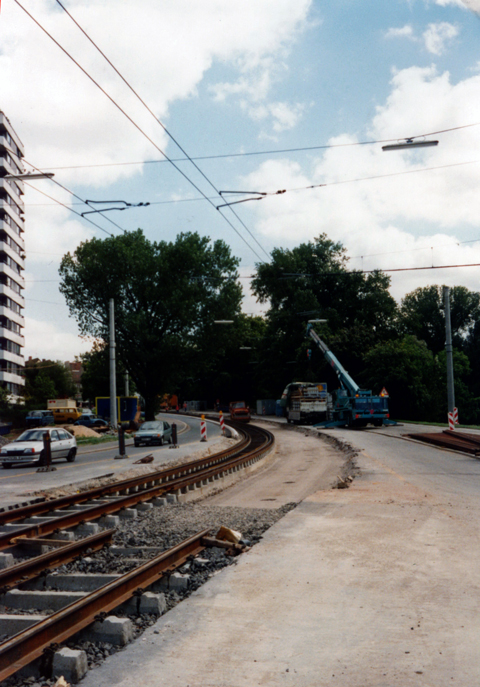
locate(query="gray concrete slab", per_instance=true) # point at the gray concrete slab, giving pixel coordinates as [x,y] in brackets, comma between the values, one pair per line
[375,585]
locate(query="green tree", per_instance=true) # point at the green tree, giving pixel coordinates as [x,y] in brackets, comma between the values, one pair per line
[312,281]
[422,314]
[46,379]
[411,375]
[166,298]
[96,373]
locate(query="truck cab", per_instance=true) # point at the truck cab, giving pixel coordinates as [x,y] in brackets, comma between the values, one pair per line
[239,411]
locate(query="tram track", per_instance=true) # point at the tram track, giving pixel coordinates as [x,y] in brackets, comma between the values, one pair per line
[59,515]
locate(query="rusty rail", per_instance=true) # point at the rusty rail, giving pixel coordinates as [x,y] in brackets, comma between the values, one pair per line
[39,508]
[27,570]
[170,480]
[457,441]
[30,644]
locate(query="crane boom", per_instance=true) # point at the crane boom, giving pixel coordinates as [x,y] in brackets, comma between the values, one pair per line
[345,380]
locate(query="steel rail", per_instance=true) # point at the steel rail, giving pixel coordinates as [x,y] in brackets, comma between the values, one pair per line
[211,467]
[30,644]
[33,567]
[39,508]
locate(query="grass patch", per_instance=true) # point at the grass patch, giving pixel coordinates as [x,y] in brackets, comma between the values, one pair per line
[87,441]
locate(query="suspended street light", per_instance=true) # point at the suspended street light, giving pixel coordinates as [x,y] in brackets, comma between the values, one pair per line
[410,143]
[27,176]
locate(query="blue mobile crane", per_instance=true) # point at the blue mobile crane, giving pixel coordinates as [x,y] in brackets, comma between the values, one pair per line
[351,406]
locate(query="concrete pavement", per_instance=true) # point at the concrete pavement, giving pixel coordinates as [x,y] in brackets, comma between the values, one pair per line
[372,586]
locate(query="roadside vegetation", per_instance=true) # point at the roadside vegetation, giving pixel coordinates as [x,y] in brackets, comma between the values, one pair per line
[168,297]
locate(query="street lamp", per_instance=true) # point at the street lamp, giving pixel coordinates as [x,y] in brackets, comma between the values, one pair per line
[410,143]
[28,175]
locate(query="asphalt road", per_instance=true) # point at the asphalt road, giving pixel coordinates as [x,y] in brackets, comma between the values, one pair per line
[453,475]
[95,461]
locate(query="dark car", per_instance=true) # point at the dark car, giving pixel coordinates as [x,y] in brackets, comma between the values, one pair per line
[39,418]
[153,432]
[92,421]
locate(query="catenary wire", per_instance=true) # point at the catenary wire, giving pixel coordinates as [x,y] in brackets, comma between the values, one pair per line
[150,111]
[59,202]
[132,121]
[261,152]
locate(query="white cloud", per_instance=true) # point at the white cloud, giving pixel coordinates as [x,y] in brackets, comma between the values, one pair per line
[65,120]
[438,36]
[403,32]
[473,5]
[282,115]
[394,221]
[46,341]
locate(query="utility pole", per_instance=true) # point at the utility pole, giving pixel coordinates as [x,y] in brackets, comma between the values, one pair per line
[113,378]
[449,350]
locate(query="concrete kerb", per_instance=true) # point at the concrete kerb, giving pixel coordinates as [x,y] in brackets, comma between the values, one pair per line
[226,479]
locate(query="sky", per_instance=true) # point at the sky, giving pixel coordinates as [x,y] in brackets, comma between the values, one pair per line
[242,87]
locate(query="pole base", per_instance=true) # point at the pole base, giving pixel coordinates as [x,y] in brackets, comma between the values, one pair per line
[119,456]
[46,468]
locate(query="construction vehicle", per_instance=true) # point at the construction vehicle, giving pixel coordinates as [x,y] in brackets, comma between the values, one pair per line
[239,411]
[351,406]
[305,402]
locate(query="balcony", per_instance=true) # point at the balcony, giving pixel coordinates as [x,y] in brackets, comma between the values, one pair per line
[12,358]
[9,188]
[7,291]
[12,274]
[14,214]
[7,312]
[8,127]
[5,248]
[11,336]
[11,377]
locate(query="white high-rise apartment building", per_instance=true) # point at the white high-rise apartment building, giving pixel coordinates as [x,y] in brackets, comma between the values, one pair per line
[12,255]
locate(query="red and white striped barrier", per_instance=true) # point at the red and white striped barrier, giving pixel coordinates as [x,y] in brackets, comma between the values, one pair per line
[455,416]
[203,429]
[222,423]
[451,422]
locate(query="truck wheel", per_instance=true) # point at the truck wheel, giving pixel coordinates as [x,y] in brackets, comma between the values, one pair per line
[72,454]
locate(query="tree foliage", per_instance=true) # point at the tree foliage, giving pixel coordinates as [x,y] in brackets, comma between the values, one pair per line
[312,281]
[422,313]
[96,374]
[166,298]
[46,379]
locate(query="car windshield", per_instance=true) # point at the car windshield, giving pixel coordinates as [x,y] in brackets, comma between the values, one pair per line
[151,425]
[32,435]
[239,404]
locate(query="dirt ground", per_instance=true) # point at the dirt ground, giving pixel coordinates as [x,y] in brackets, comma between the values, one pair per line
[302,464]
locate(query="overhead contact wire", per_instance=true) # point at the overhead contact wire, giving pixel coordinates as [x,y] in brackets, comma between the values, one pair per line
[190,159]
[130,120]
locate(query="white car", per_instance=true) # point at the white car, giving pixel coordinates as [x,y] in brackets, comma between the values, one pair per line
[28,448]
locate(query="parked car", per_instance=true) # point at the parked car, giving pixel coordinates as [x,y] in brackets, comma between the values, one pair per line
[65,416]
[92,421]
[28,448]
[39,418]
[154,432]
